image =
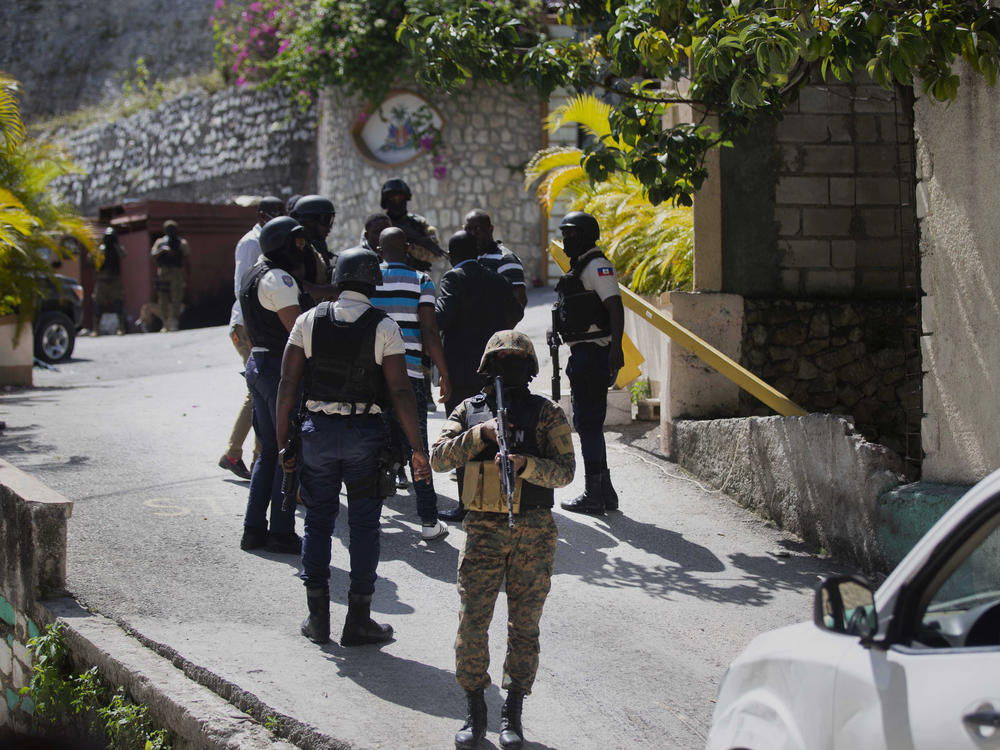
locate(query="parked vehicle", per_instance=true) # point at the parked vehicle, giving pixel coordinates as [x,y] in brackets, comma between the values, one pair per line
[912,665]
[59,315]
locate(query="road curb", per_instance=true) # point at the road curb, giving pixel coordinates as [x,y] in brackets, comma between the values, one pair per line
[196,715]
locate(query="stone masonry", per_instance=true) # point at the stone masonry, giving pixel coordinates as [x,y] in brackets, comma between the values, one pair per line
[840,357]
[489,134]
[199,147]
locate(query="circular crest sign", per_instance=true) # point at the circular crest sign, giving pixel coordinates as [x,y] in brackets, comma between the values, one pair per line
[399,131]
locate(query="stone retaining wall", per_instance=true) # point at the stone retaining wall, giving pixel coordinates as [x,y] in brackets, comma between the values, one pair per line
[815,476]
[197,148]
[840,357]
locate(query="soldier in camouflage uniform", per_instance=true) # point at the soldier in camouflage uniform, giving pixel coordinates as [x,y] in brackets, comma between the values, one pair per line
[542,454]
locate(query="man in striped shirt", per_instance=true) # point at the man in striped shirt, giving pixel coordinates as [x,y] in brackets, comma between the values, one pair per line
[408,297]
[493,255]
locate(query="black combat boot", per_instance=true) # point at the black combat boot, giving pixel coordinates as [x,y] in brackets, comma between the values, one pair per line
[359,627]
[316,627]
[474,729]
[592,499]
[511,731]
[610,496]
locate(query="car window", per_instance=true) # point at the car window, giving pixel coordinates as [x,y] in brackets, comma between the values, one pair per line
[965,610]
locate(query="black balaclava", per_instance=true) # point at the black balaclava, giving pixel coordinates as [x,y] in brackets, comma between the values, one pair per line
[516,371]
[394,204]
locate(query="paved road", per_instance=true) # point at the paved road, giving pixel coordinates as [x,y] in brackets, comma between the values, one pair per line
[647,605]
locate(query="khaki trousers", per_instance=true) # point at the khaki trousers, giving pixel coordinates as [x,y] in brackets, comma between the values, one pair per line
[244,420]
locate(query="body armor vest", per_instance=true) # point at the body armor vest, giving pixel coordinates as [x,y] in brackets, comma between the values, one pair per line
[112,266]
[523,413]
[578,308]
[172,257]
[264,327]
[342,367]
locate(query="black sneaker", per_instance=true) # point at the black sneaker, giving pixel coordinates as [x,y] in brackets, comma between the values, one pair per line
[236,466]
[287,543]
[253,538]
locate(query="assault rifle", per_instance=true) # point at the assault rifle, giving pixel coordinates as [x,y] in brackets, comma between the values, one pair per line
[506,465]
[290,479]
[553,340]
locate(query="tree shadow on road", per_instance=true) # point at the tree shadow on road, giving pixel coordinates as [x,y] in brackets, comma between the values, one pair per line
[692,570]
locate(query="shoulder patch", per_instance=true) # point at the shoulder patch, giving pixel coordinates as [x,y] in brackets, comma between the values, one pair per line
[287,280]
[606,271]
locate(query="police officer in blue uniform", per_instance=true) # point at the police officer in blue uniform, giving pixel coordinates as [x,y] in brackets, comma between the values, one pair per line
[351,358]
[270,300]
[590,318]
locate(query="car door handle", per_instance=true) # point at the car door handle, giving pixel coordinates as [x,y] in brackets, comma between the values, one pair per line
[983,718]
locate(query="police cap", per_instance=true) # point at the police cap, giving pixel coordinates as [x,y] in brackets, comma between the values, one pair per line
[509,341]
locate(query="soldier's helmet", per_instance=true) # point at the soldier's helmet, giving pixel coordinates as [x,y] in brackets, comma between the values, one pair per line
[274,235]
[358,265]
[585,224]
[313,207]
[508,341]
[395,185]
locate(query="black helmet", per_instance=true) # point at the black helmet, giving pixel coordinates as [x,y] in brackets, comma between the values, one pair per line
[584,223]
[274,235]
[357,265]
[312,206]
[395,185]
[271,206]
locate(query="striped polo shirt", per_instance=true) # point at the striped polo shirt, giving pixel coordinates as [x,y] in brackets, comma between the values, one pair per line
[401,291]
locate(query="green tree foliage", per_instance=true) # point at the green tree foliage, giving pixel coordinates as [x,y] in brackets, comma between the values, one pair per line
[735,59]
[651,246]
[34,222]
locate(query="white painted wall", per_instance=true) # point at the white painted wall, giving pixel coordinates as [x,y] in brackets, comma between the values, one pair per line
[958,151]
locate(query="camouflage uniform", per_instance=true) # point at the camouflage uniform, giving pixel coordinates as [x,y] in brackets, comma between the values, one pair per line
[493,552]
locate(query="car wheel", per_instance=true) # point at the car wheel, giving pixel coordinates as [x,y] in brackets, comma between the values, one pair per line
[55,337]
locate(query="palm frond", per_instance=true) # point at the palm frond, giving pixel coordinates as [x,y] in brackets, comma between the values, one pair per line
[11,124]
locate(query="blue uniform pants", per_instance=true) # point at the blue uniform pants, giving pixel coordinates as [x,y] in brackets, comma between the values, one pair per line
[340,450]
[589,373]
[263,373]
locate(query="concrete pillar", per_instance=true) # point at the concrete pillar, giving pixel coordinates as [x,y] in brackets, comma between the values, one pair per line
[691,389]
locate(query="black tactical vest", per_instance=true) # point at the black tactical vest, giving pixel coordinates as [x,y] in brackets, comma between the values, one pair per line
[578,308]
[342,367]
[523,413]
[172,257]
[264,327]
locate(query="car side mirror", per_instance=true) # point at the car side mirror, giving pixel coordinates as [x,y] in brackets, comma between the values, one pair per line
[846,604]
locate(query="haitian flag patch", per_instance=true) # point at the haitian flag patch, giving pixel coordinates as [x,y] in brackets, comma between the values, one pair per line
[606,271]
[288,280]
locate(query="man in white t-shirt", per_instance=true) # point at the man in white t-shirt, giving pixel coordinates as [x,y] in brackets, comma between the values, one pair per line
[247,253]
[591,319]
[269,301]
[351,358]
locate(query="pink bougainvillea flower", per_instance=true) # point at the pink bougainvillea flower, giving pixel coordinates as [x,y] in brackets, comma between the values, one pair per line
[363,117]
[437,158]
[440,173]
[256,7]
[241,81]
[309,49]
[426,143]
[283,45]
[220,4]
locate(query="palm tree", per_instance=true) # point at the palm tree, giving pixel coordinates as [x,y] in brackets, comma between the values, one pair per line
[34,222]
[650,246]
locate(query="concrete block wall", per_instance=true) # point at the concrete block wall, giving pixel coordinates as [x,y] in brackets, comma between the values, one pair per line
[33,521]
[841,204]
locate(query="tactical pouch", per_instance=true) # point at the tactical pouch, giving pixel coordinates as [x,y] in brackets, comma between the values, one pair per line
[481,488]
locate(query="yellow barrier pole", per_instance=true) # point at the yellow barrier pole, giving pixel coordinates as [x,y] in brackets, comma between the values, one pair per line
[700,348]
